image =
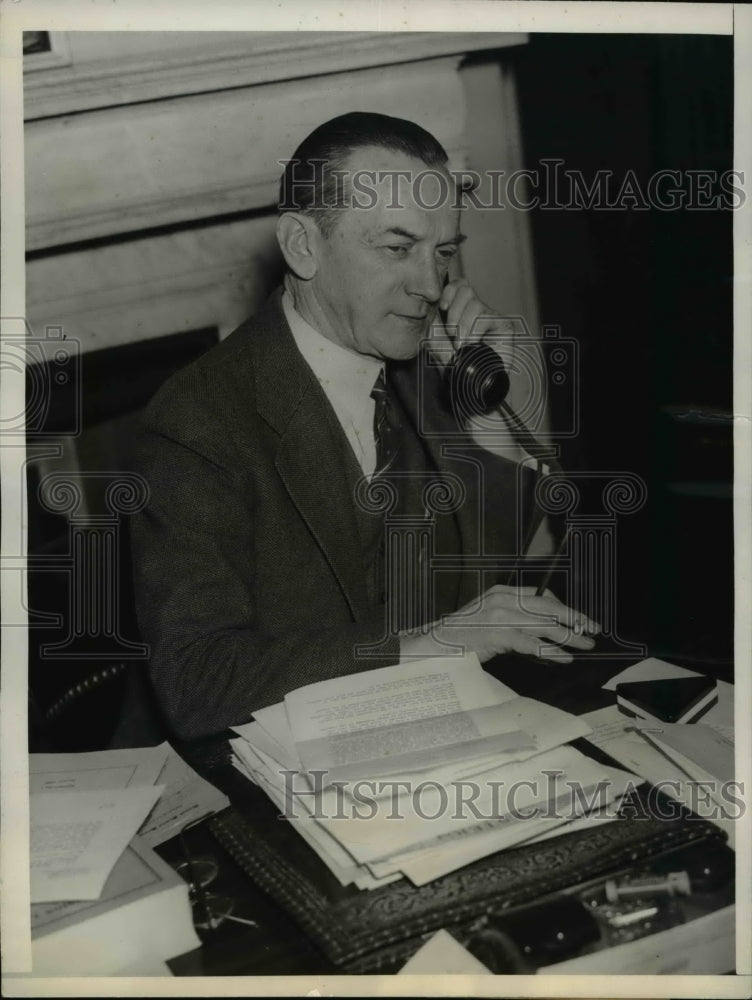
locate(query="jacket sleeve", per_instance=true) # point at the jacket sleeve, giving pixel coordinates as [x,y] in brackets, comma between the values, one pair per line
[211,663]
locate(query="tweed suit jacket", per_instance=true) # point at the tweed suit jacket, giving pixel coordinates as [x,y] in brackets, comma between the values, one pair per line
[249,574]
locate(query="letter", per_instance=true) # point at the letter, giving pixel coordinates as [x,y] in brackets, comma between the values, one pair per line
[466,183]
[340,186]
[368,191]
[461,801]
[417,191]
[550,810]
[655,799]
[632,806]
[393,786]
[654,194]
[368,801]
[511,799]
[728,796]
[630,191]
[496,199]
[579,190]
[700,794]
[728,187]
[701,197]
[339,787]
[444,799]
[290,200]
[316,791]
[496,787]
[532,176]
[392,175]
[580,796]
[551,200]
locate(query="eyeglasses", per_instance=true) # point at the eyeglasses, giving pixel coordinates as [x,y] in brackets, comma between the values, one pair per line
[210,910]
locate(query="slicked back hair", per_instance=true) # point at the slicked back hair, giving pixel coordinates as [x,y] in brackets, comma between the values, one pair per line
[310,183]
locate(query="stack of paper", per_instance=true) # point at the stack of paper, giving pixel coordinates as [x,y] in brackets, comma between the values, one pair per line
[95,882]
[690,762]
[419,769]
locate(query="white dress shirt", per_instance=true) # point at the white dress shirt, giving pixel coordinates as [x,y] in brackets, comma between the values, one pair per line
[346,377]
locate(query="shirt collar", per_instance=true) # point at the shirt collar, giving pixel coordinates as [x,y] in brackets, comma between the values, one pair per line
[346,377]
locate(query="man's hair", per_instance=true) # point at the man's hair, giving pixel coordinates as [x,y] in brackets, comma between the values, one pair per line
[309,184]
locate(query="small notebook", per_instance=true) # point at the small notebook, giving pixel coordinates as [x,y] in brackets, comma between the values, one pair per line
[675,699]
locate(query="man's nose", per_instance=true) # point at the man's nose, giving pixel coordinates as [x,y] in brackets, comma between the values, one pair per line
[425,281]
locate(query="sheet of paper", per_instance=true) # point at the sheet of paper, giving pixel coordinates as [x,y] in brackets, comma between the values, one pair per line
[81,772]
[600,784]
[443,955]
[274,720]
[255,734]
[558,727]
[342,865]
[591,821]
[76,838]
[608,724]
[390,696]
[545,727]
[414,717]
[186,798]
[653,669]
[635,753]
[432,811]
[700,750]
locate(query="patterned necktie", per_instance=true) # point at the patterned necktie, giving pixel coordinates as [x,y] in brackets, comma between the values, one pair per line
[386,426]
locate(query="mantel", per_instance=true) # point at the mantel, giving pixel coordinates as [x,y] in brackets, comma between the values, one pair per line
[89,70]
[153,162]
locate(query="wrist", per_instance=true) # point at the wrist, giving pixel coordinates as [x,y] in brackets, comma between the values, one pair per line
[418,644]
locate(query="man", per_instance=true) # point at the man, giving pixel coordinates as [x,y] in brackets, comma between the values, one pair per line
[261,560]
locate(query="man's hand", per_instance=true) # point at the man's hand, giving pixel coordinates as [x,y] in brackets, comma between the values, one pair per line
[508,620]
[468,320]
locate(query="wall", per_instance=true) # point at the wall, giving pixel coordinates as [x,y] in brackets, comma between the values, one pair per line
[152,165]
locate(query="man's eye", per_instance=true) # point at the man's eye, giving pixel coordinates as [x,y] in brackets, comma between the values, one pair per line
[398,251]
[447,253]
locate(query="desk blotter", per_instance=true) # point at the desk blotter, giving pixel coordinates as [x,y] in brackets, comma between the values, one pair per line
[369,931]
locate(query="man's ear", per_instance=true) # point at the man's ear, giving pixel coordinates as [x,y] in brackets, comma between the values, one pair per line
[298,237]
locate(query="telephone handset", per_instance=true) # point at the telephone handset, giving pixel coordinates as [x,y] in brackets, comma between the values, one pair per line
[475,379]
[476,383]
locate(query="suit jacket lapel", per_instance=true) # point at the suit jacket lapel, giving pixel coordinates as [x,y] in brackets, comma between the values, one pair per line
[310,459]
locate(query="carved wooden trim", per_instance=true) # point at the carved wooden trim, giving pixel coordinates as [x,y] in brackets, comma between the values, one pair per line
[221,60]
[164,163]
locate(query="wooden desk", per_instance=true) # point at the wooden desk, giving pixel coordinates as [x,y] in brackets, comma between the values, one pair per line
[278,946]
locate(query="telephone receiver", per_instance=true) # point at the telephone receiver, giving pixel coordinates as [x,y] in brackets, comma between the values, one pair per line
[475,380]
[476,383]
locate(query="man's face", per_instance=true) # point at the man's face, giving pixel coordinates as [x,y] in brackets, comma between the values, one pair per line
[382,268]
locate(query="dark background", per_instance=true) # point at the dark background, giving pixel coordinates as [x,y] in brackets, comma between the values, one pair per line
[648,296]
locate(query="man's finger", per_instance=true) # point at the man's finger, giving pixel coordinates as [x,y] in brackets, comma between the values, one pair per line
[450,291]
[523,642]
[564,614]
[462,298]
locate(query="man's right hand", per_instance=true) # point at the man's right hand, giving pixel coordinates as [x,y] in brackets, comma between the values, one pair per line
[507,620]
